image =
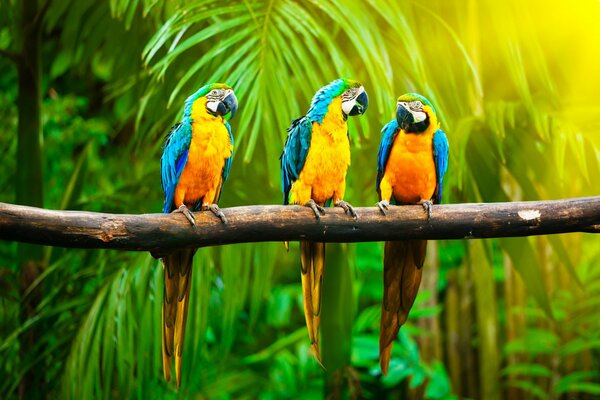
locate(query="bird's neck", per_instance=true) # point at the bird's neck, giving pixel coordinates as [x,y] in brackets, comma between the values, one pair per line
[432,124]
[334,123]
[199,113]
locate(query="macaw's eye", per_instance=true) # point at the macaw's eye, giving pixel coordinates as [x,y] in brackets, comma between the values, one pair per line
[416,105]
[349,94]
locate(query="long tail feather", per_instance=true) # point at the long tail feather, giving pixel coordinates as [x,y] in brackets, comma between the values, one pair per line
[402,269]
[178,274]
[312,257]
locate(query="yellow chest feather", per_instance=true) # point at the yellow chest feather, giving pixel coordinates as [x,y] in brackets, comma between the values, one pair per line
[209,148]
[328,156]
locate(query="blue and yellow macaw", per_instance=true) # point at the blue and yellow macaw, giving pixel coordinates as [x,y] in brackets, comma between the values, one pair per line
[412,161]
[314,162]
[196,160]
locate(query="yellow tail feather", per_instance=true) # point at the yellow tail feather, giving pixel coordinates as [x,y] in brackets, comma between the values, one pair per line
[312,257]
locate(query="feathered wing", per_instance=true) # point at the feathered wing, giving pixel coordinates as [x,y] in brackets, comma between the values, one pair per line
[173,160]
[388,133]
[294,153]
[440,157]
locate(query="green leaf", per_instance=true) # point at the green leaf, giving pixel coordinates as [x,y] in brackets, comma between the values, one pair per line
[579,345]
[578,382]
[439,383]
[365,350]
[531,388]
[534,342]
[525,369]
[398,371]
[368,319]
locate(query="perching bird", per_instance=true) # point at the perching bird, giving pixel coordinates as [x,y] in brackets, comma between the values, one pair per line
[314,162]
[194,165]
[412,161]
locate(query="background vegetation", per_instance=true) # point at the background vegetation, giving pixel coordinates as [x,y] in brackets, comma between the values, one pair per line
[516,84]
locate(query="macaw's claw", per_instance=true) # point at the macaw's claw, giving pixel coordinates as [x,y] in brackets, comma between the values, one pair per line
[317,209]
[383,206]
[215,210]
[427,205]
[188,214]
[348,209]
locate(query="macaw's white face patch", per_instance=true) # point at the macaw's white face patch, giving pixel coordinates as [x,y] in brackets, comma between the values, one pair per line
[214,97]
[416,110]
[349,99]
[419,116]
[212,106]
[347,106]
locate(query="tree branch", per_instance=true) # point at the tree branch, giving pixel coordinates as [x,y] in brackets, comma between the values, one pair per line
[160,232]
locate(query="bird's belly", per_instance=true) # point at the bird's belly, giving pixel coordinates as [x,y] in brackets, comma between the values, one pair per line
[204,167]
[326,165]
[411,169]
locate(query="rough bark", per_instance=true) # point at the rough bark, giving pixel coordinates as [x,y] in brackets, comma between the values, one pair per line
[159,233]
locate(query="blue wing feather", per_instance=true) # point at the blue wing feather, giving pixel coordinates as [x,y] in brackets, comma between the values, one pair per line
[229,160]
[440,157]
[173,160]
[385,147]
[181,161]
[294,153]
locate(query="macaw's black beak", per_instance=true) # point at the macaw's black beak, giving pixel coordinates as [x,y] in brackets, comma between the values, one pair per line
[228,105]
[404,117]
[362,102]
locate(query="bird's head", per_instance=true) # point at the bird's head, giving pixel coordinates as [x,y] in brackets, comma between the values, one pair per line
[354,99]
[415,113]
[219,99]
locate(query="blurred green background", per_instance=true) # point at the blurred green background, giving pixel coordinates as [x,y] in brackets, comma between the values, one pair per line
[516,84]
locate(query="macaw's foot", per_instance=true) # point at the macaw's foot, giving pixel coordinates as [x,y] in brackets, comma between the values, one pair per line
[317,209]
[383,206]
[348,209]
[427,204]
[215,210]
[188,214]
